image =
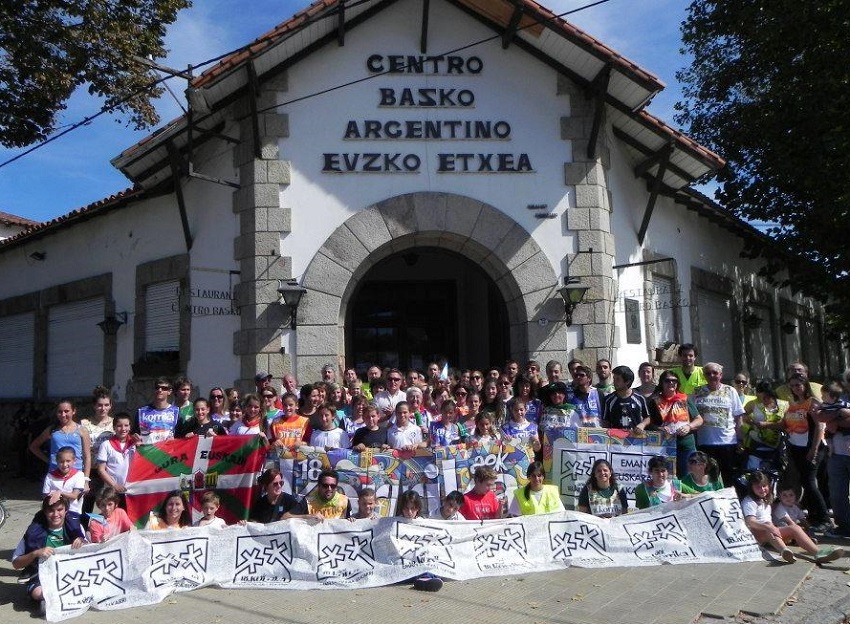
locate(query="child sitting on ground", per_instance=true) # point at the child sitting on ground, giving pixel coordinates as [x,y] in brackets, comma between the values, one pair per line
[113,520]
[210,502]
[787,511]
[449,509]
[756,508]
[410,508]
[367,505]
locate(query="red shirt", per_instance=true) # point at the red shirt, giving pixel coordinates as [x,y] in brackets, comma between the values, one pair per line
[480,506]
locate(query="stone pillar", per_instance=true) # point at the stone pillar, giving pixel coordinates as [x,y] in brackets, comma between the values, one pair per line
[262,223]
[590,222]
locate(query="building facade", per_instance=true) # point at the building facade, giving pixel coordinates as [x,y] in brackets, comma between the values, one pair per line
[431,173]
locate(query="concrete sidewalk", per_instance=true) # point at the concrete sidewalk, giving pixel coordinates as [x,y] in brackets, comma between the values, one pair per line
[664,594]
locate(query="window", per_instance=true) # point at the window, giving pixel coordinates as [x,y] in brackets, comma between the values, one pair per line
[17,349]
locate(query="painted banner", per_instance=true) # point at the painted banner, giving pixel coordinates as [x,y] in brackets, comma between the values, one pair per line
[143,567]
[226,464]
[568,455]
[433,473]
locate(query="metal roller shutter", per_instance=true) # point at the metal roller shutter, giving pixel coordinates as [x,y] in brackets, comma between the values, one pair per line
[162,317]
[715,328]
[75,347]
[17,345]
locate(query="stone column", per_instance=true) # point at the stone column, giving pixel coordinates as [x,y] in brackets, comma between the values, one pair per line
[590,221]
[262,222]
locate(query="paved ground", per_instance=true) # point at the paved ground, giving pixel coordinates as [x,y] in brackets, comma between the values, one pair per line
[759,593]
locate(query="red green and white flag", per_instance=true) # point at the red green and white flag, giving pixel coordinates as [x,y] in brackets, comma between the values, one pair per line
[226,464]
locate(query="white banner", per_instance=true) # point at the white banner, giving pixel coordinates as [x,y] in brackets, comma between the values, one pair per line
[143,567]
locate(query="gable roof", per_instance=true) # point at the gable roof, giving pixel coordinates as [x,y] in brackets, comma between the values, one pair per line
[552,40]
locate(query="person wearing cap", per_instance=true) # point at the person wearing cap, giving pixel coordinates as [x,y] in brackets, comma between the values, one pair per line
[556,411]
[263,380]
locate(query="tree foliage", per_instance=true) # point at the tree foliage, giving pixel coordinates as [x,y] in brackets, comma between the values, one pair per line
[50,47]
[769,89]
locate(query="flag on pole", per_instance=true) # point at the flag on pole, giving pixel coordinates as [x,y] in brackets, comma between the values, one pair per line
[226,464]
[444,374]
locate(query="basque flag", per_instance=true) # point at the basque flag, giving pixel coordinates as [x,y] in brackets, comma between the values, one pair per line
[227,465]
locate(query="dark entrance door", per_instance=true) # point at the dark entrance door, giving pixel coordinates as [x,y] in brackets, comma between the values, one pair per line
[425,305]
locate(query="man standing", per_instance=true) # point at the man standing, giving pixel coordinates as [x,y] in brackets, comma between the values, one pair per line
[721,411]
[603,373]
[797,368]
[263,381]
[156,421]
[373,373]
[511,370]
[586,398]
[554,371]
[623,408]
[690,375]
[290,384]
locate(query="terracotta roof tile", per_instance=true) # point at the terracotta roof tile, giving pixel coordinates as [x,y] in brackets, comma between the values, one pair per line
[75,215]
[10,219]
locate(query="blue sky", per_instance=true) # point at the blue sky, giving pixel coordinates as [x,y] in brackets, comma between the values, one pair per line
[74,170]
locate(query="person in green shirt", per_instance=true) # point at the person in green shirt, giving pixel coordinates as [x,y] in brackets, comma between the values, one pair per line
[690,375]
[703,473]
[660,487]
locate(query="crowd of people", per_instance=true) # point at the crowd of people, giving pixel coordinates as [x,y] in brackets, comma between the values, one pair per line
[767,440]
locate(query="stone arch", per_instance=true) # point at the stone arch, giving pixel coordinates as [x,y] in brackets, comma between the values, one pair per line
[499,245]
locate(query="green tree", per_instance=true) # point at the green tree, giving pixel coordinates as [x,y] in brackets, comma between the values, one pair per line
[50,47]
[769,89]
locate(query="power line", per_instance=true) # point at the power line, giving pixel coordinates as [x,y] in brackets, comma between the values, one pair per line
[109,107]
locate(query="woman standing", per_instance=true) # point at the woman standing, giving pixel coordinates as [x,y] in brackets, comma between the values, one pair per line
[218,407]
[679,417]
[763,426]
[100,428]
[806,448]
[526,390]
[65,431]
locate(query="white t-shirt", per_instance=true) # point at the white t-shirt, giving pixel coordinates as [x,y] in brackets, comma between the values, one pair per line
[334,439]
[117,462]
[760,510]
[384,399]
[720,410]
[77,481]
[410,435]
[780,511]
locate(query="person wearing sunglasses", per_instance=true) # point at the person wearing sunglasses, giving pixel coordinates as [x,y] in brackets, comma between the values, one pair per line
[325,502]
[156,421]
[386,400]
[218,407]
[679,417]
[273,502]
[741,383]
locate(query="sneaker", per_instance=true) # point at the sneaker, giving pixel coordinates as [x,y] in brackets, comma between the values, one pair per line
[428,583]
[827,554]
[788,556]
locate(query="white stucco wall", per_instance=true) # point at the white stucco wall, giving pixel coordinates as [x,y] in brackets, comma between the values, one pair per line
[512,87]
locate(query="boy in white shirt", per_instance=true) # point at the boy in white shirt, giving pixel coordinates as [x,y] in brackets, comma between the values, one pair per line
[113,456]
[405,435]
[328,436]
[66,482]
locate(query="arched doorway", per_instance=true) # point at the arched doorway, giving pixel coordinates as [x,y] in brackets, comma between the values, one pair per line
[501,248]
[426,304]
